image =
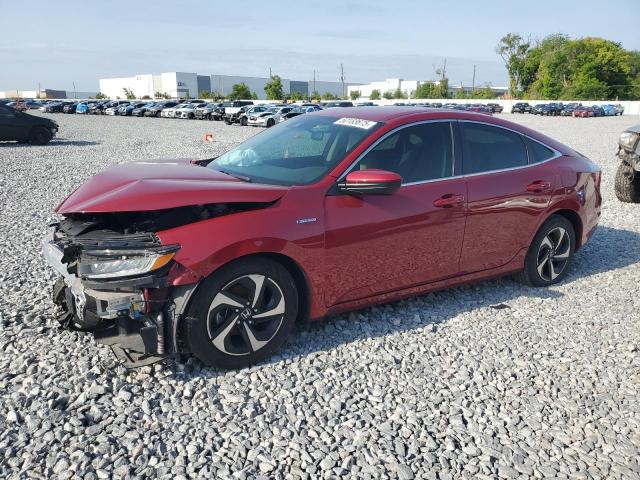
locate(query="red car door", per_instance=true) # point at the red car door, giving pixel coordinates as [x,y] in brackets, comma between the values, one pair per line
[509,187]
[380,243]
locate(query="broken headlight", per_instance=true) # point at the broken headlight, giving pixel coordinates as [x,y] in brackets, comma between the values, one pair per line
[108,264]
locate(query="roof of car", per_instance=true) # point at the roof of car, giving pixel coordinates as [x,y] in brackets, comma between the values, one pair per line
[386,114]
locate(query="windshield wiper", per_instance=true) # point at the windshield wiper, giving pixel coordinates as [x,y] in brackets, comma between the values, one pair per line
[236,175]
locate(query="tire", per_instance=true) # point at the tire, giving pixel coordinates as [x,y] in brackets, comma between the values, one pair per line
[627,184]
[221,327]
[550,254]
[243,121]
[39,136]
[270,123]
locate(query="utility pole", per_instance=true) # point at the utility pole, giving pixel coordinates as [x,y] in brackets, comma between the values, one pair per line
[473,81]
[314,80]
[342,79]
[444,69]
[269,72]
[74,90]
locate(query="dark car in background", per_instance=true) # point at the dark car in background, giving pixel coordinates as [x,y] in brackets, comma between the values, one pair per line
[140,111]
[598,111]
[203,112]
[569,108]
[156,109]
[70,108]
[23,127]
[495,107]
[521,107]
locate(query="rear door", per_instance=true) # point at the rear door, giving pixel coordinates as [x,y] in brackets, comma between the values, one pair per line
[509,187]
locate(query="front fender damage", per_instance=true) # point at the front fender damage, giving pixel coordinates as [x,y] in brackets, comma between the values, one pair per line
[139,316]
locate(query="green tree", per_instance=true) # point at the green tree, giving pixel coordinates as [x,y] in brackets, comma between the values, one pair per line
[273,88]
[329,96]
[240,91]
[388,94]
[513,50]
[100,96]
[399,94]
[354,94]
[296,96]
[375,95]
[485,93]
[315,96]
[146,97]
[461,94]
[128,94]
[425,90]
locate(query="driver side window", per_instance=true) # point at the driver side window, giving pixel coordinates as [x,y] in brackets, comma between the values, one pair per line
[417,153]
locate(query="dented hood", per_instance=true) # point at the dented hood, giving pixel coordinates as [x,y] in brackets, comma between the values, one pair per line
[162,184]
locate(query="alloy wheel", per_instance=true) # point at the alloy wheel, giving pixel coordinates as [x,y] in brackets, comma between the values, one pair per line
[553,254]
[245,314]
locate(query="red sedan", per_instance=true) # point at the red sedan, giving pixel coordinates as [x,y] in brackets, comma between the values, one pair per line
[327,212]
[583,112]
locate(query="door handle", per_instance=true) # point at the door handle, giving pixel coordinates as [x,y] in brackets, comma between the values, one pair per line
[539,186]
[448,200]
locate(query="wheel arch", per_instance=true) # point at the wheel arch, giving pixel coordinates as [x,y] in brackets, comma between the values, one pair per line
[575,220]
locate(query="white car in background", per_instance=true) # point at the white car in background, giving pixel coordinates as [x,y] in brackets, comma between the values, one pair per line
[170,112]
[269,118]
[187,110]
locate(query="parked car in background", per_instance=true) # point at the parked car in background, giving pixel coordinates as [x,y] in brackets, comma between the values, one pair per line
[619,109]
[221,110]
[16,125]
[339,103]
[83,107]
[115,109]
[324,213]
[140,111]
[170,111]
[597,111]
[19,105]
[609,110]
[521,107]
[54,107]
[156,110]
[243,119]
[479,108]
[583,112]
[186,110]
[204,111]
[269,118]
[233,113]
[127,110]
[495,107]
[568,109]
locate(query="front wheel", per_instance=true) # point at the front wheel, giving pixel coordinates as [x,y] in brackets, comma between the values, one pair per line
[270,123]
[627,184]
[39,136]
[547,261]
[242,313]
[243,121]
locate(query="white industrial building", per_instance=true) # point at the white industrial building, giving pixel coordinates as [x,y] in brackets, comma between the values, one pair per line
[183,84]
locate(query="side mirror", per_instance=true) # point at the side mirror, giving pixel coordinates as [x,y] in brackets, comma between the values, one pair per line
[370,182]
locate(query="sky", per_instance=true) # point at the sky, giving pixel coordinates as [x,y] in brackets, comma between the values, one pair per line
[57,44]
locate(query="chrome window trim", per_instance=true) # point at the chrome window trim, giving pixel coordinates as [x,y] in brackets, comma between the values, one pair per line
[556,153]
[397,129]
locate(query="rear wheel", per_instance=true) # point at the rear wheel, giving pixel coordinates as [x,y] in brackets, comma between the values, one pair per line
[39,136]
[627,184]
[243,121]
[270,123]
[242,313]
[547,261]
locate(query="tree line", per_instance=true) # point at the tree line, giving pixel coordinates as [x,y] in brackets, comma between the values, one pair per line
[559,67]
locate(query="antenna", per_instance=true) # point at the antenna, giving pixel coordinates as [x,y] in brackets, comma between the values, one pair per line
[473,81]
[342,79]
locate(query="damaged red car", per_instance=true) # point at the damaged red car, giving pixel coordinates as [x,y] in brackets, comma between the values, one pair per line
[327,212]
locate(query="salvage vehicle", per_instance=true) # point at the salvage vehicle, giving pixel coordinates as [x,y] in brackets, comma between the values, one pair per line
[521,107]
[324,213]
[203,112]
[70,107]
[22,127]
[619,109]
[495,107]
[115,110]
[627,183]
[269,118]
[140,111]
[157,109]
[220,111]
[236,114]
[583,112]
[186,110]
[597,111]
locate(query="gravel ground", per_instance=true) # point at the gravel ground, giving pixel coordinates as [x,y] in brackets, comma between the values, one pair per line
[442,386]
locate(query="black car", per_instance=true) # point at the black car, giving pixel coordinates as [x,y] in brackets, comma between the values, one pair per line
[495,107]
[597,111]
[203,112]
[338,104]
[140,111]
[521,107]
[22,127]
[157,108]
[54,107]
[98,108]
[70,108]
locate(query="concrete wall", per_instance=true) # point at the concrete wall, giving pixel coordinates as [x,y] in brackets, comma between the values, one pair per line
[140,85]
[630,107]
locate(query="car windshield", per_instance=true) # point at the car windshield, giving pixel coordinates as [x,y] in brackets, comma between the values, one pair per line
[297,152]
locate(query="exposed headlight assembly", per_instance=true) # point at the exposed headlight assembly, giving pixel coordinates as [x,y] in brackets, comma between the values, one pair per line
[108,264]
[628,140]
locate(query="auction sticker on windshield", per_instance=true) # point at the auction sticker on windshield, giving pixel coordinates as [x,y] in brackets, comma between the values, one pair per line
[356,122]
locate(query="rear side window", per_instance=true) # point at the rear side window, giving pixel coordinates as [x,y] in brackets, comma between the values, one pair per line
[488,148]
[537,151]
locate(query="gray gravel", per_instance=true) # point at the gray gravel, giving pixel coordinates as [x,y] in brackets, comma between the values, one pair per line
[442,386]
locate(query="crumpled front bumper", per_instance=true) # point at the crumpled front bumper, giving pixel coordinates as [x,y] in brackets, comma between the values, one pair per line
[119,317]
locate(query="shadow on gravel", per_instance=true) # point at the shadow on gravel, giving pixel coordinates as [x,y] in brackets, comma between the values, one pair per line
[53,143]
[609,249]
